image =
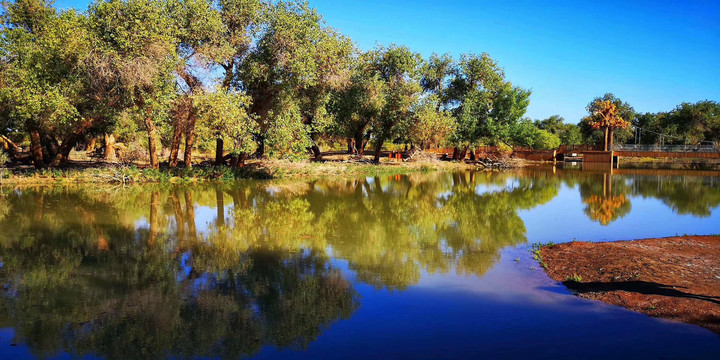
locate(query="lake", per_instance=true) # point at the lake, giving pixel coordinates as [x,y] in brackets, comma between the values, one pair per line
[419,266]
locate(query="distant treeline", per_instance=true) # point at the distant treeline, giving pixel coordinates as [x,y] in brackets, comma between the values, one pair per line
[256,78]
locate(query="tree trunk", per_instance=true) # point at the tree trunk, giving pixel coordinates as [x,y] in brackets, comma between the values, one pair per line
[316,152]
[109,147]
[175,145]
[260,146]
[606,140]
[472,155]
[459,154]
[610,146]
[63,153]
[359,148]
[350,145]
[219,144]
[50,146]
[378,148]
[90,148]
[237,161]
[36,150]
[10,147]
[189,144]
[152,143]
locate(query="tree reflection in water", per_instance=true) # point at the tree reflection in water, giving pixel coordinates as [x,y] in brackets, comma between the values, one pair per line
[151,273]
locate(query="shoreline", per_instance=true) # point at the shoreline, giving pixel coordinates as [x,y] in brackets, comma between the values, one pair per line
[113,173]
[675,278]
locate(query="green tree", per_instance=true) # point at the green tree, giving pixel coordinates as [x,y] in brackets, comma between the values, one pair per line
[569,134]
[397,67]
[294,60]
[136,56]
[430,127]
[356,106]
[436,75]
[526,133]
[198,43]
[45,90]
[485,106]
[223,115]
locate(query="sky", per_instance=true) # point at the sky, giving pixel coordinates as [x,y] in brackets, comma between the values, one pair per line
[652,54]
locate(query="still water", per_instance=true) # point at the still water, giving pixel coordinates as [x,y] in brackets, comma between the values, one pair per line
[419,266]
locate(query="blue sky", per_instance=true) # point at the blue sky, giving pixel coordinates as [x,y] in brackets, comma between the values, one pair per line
[652,54]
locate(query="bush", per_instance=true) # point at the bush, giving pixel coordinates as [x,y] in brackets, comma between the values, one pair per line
[133,152]
[4,158]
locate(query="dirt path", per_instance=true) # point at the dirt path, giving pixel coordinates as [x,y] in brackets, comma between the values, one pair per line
[675,278]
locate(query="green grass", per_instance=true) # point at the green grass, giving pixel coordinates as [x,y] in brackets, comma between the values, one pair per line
[537,254]
[574,278]
[130,174]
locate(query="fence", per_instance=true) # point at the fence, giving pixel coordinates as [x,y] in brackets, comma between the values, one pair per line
[667,148]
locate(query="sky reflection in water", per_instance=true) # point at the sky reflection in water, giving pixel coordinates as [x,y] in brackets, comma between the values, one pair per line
[419,266]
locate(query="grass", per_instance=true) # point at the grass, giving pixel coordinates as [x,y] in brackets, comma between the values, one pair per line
[537,254]
[128,174]
[574,278]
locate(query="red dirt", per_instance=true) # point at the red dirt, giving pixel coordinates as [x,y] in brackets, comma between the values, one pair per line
[676,278]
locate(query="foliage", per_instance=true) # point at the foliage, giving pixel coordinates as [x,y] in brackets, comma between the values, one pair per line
[356,105]
[486,107]
[569,134]
[525,133]
[598,110]
[294,58]
[4,158]
[686,124]
[224,115]
[287,137]
[430,127]
[264,78]
[397,68]
[604,114]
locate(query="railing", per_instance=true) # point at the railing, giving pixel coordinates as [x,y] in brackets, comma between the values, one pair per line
[667,148]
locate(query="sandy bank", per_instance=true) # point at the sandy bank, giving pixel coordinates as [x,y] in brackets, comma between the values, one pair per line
[675,278]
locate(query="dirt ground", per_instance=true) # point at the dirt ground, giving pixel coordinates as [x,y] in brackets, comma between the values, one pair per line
[676,278]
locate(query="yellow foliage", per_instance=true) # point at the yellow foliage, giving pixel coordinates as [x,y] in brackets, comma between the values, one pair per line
[605,115]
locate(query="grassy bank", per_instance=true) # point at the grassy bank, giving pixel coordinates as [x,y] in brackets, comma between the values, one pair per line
[127,174]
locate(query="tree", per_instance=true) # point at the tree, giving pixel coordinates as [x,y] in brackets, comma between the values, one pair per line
[604,115]
[623,110]
[198,42]
[294,60]
[45,90]
[485,106]
[435,77]
[223,116]
[694,123]
[526,133]
[569,134]
[356,106]
[430,126]
[135,56]
[396,66]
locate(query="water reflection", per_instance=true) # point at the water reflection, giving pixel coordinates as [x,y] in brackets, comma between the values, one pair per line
[221,271]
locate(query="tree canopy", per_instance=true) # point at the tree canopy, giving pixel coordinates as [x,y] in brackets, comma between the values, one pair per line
[267,79]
